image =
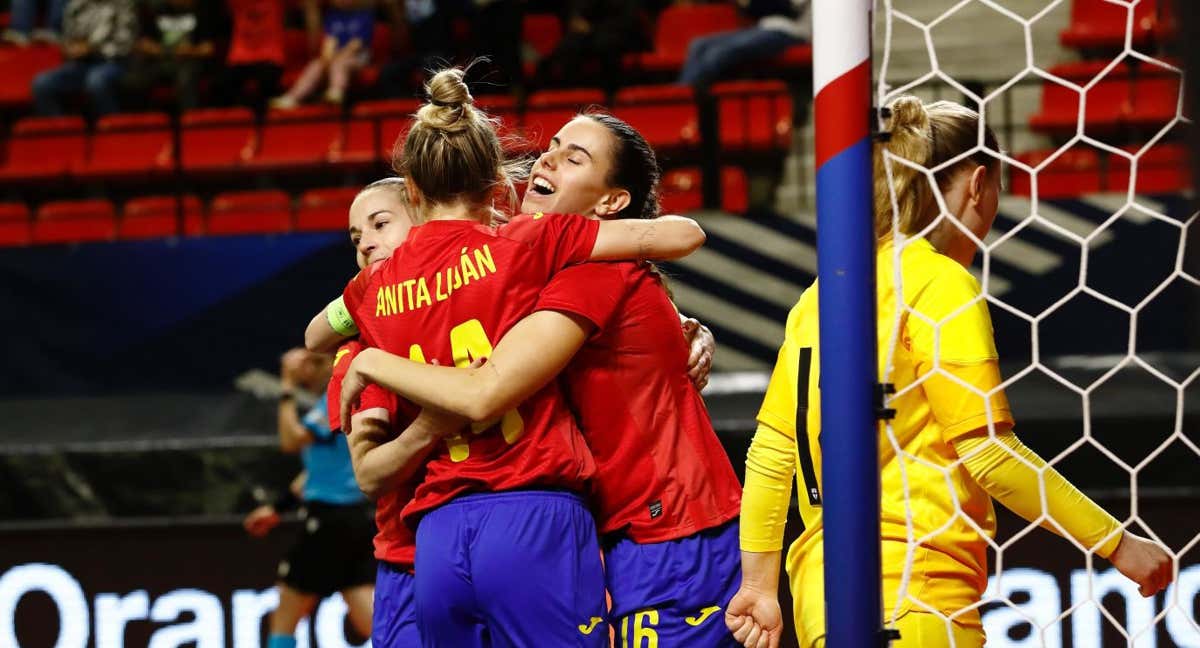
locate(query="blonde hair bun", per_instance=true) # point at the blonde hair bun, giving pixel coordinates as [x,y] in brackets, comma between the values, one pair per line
[449,103]
[909,112]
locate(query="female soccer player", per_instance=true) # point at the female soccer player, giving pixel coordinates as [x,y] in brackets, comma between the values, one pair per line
[939,422]
[506,546]
[665,494]
[384,458]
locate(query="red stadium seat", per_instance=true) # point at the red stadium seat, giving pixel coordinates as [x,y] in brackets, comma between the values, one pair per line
[1141,97]
[298,138]
[541,32]
[158,216]
[15,228]
[375,126]
[71,221]
[21,65]
[1162,169]
[43,148]
[754,115]
[504,107]
[1155,100]
[216,140]
[381,50]
[548,110]
[324,209]
[682,190]
[1108,104]
[129,145]
[359,145]
[250,212]
[386,108]
[664,114]
[1096,24]
[677,25]
[1076,172]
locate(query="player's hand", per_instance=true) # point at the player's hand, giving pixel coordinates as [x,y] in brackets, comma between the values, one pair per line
[754,618]
[261,520]
[1144,562]
[703,346]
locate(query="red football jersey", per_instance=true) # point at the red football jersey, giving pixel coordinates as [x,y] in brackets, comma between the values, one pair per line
[450,292]
[395,542]
[661,472]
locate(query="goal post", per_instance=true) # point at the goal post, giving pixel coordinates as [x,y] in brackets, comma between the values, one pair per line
[846,280]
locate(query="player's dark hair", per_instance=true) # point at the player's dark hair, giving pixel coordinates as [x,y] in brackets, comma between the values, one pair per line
[634,166]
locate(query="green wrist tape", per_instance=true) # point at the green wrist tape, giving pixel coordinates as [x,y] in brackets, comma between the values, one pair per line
[340,319]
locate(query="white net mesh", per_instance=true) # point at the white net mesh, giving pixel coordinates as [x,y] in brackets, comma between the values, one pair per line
[1082,276]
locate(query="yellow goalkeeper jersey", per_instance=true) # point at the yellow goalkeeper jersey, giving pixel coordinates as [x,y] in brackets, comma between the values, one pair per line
[944,361]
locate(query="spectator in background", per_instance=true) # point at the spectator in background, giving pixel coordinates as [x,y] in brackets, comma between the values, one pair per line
[24,16]
[781,24]
[346,47]
[178,44]
[424,26]
[98,36]
[596,32]
[256,50]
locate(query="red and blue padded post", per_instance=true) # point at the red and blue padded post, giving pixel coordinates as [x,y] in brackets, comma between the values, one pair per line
[849,364]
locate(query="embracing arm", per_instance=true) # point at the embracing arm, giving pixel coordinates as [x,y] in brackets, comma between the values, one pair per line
[663,238]
[530,355]
[381,462]
[330,328]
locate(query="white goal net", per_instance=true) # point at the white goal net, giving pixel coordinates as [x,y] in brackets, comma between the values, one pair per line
[1092,295]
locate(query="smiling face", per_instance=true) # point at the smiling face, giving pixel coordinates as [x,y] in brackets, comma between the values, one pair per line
[571,177]
[379,223]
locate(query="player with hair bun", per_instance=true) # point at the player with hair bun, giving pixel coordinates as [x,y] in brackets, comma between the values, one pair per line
[665,496]
[506,547]
[942,365]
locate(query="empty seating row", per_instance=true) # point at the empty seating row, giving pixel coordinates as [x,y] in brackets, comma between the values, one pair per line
[1145,96]
[1096,24]
[256,212]
[239,212]
[753,116]
[1082,170]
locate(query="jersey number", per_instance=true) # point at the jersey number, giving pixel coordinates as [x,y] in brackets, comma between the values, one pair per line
[643,635]
[469,342]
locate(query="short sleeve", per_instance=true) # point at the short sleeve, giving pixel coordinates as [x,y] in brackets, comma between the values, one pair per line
[950,320]
[333,394]
[968,398]
[592,291]
[563,239]
[375,396]
[401,411]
